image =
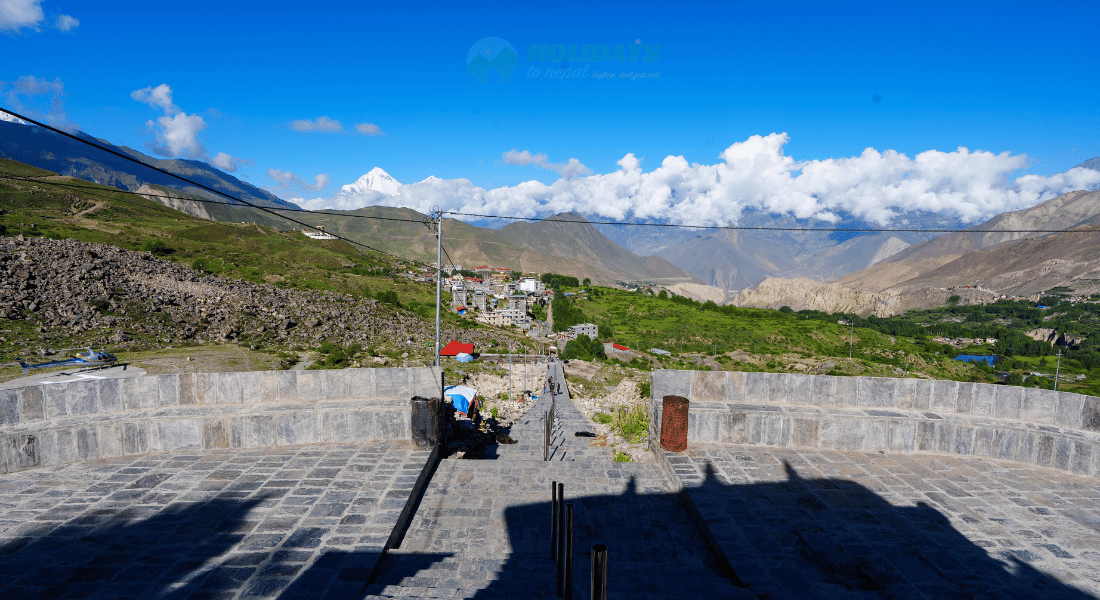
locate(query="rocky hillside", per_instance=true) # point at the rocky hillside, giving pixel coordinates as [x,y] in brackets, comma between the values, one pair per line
[77,293]
[807,294]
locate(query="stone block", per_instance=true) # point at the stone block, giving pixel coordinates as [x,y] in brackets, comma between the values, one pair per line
[179,434]
[140,392]
[1090,413]
[754,429]
[922,395]
[361,426]
[876,436]
[666,382]
[135,437]
[109,396]
[709,386]
[1063,448]
[1044,450]
[1006,444]
[1082,457]
[58,446]
[391,383]
[169,388]
[423,381]
[311,386]
[964,403]
[9,407]
[229,388]
[846,391]
[735,387]
[54,395]
[800,389]
[215,433]
[905,393]
[945,437]
[944,395]
[288,385]
[983,442]
[253,431]
[361,385]
[703,426]
[903,435]
[294,428]
[877,391]
[756,387]
[336,384]
[984,399]
[1007,401]
[824,390]
[964,440]
[1039,406]
[32,407]
[731,428]
[394,425]
[926,436]
[779,388]
[259,387]
[110,440]
[336,427]
[1070,408]
[777,430]
[19,452]
[805,432]
[842,433]
[87,443]
[209,387]
[192,389]
[80,397]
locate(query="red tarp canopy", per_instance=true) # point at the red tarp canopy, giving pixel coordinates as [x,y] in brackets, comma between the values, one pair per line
[455,348]
[618,347]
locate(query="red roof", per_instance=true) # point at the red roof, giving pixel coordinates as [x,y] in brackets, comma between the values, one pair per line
[618,347]
[455,348]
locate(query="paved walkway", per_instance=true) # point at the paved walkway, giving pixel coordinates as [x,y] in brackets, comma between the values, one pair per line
[307,522]
[869,525]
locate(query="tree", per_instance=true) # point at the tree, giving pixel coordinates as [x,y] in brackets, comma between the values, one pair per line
[587,281]
[663,295]
[954,299]
[1014,379]
[583,348]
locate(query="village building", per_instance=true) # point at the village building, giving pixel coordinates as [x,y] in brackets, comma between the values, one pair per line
[592,331]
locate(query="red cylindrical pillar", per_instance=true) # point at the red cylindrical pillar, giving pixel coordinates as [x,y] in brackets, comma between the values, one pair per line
[674,423]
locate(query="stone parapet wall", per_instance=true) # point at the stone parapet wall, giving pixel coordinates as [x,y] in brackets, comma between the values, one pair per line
[876,414]
[56,424]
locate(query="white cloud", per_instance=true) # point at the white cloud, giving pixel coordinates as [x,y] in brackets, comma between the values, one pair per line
[157,97]
[321,124]
[229,163]
[754,174]
[17,14]
[369,129]
[66,23]
[178,135]
[39,99]
[288,180]
[568,170]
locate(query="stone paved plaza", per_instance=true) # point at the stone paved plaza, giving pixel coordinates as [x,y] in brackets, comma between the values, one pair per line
[326,521]
[307,522]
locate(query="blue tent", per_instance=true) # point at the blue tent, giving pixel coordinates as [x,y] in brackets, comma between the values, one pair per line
[461,396]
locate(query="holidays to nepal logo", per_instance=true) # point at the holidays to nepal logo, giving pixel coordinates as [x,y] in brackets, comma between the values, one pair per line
[493,54]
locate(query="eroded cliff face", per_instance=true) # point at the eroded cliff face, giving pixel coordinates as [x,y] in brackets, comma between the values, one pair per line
[807,294]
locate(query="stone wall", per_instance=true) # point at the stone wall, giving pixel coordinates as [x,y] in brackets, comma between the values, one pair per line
[876,414]
[56,424]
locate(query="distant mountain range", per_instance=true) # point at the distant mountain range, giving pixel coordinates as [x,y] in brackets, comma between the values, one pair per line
[44,149]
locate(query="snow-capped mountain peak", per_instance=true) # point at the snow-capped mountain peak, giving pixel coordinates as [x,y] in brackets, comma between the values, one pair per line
[429,179]
[376,180]
[11,119]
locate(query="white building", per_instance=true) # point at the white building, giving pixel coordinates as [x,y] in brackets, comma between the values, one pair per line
[532,285]
[458,295]
[592,331]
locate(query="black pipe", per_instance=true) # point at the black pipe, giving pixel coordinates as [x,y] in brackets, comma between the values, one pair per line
[599,572]
[568,552]
[561,537]
[554,520]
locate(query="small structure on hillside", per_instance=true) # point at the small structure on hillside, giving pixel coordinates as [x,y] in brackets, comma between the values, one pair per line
[455,347]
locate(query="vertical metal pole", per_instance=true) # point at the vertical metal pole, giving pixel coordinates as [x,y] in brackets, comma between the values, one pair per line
[1058,370]
[561,537]
[852,339]
[438,276]
[598,591]
[568,595]
[554,520]
[510,396]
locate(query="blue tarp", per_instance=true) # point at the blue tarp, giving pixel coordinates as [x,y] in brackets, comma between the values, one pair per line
[463,357]
[972,358]
[461,396]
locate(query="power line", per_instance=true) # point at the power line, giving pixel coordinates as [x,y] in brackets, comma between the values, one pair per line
[554,219]
[194,183]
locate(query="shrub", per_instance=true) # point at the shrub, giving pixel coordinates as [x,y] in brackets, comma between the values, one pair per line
[388,297]
[602,418]
[157,247]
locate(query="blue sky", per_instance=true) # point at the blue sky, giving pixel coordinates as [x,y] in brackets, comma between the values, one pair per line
[999,77]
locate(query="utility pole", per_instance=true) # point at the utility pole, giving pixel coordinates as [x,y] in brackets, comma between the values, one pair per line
[1057,369]
[510,396]
[438,275]
[852,337]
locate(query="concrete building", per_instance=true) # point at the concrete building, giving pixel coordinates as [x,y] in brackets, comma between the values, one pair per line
[518,302]
[458,295]
[519,318]
[531,285]
[592,331]
[479,300]
[496,318]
